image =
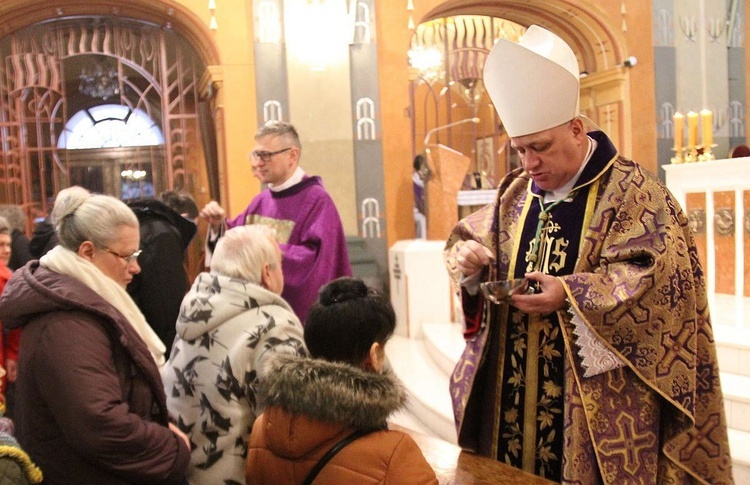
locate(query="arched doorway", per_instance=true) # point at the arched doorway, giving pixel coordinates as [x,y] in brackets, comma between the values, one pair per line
[56,67]
[53,70]
[462,32]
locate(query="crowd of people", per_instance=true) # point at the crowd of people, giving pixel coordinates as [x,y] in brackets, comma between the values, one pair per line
[271,367]
[126,373]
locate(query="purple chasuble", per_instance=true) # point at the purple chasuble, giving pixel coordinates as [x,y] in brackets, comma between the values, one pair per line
[310,235]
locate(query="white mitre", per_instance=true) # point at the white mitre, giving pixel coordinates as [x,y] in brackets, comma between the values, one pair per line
[534,84]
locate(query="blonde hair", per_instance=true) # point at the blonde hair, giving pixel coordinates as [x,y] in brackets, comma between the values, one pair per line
[96,218]
[277,128]
[243,250]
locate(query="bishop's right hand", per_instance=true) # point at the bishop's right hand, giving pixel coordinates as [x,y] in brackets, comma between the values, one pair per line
[472,257]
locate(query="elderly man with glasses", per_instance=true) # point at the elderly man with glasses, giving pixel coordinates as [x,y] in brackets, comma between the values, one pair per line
[308,226]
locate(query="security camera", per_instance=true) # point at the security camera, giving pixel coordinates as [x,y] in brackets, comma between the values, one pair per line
[630,61]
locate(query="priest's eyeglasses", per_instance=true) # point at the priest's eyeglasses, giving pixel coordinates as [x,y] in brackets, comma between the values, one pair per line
[265,157]
[128,259]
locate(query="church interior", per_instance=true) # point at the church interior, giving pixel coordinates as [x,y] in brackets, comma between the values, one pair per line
[133,98]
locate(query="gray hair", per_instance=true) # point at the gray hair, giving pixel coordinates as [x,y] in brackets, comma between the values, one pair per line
[279,128]
[14,217]
[241,252]
[96,218]
[4,226]
[62,199]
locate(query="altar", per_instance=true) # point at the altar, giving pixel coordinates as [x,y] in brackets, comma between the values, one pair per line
[716,198]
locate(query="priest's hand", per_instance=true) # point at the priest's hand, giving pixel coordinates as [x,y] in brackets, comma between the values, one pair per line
[472,257]
[214,214]
[548,297]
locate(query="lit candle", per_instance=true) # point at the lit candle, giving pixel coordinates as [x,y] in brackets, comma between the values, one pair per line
[692,122]
[679,128]
[707,120]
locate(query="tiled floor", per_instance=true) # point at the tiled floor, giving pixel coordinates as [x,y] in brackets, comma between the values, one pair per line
[424,364]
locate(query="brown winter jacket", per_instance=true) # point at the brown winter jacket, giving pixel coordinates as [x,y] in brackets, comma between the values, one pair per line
[312,405]
[90,403]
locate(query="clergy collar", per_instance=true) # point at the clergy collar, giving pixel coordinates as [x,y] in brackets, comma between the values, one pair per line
[296,178]
[562,192]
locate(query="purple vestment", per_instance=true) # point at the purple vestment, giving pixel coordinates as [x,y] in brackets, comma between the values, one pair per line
[310,235]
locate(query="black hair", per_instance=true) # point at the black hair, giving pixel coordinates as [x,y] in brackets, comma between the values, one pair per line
[346,320]
[180,202]
[419,160]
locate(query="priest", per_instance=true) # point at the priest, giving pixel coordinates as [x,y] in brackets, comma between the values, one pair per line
[298,207]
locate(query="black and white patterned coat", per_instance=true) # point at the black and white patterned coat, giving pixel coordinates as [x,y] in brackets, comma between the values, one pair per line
[225,331]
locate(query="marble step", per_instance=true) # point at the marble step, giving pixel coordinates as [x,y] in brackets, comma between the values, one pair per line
[733,349]
[739,444]
[427,386]
[736,389]
[444,343]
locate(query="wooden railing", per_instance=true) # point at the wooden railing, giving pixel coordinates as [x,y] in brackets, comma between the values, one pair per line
[455,466]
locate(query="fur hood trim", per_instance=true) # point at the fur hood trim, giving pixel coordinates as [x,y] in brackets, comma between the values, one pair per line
[331,392]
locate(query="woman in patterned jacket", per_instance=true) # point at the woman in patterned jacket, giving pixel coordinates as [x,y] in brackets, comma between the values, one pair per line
[230,321]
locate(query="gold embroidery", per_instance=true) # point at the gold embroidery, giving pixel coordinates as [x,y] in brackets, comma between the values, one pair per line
[559,255]
[529,428]
[283,227]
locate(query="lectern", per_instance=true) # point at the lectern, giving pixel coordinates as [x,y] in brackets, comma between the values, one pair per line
[449,169]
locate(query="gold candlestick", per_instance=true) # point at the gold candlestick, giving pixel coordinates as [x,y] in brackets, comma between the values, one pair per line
[679,155]
[707,154]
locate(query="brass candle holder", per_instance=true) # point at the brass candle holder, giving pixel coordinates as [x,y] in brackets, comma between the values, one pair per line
[679,155]
[706,154]
[691,154]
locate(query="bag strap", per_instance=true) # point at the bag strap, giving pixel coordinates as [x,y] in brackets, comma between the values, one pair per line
[332,452]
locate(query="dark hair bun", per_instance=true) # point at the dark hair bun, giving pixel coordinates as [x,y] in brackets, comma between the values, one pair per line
[342,289]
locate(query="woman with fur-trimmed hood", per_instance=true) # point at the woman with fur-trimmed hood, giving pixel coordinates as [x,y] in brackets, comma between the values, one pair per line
[315,403]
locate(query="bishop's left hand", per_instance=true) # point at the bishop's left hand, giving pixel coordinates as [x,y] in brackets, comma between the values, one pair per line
[549,296]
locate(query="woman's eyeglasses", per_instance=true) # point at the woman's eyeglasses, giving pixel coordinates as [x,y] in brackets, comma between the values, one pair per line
[128,259]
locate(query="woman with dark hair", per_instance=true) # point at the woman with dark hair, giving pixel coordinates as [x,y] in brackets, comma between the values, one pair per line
[326,415]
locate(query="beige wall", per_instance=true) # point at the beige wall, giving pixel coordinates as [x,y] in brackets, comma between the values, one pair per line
[319,105]
[320,108]
[237,106]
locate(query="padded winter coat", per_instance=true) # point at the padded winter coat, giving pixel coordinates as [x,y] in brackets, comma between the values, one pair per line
[91,407]
[312,405]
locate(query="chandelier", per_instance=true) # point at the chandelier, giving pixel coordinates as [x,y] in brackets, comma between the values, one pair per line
[99,81]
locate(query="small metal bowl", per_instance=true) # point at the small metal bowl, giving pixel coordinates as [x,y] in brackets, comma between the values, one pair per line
[499,291]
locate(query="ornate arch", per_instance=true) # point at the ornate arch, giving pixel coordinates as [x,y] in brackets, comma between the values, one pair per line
[584,26]
[168,14]
[163,45]
[600,48]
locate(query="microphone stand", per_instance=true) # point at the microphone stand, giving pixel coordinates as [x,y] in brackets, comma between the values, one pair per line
[449,125]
